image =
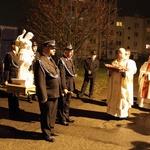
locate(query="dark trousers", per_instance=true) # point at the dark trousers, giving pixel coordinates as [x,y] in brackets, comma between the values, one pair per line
[64,107]
[85,84]
[48,116]
[13,103]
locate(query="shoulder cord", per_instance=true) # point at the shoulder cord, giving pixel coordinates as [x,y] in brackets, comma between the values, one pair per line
[13,64]
[66,67]
[45,70]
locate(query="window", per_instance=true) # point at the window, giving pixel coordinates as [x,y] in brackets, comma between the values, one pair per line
[148,38]
[147,46]
[135,44]
[148,21]
[118,42]
[136,25]
[110,52]
[119,24]
[116,51]
[119,33]
[148,29]
[135,34]
[112,22]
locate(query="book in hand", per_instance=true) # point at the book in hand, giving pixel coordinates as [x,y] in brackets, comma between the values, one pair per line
[112,67]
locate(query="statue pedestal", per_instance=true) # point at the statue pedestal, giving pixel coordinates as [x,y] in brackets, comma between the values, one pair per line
[18,81]
[20,89]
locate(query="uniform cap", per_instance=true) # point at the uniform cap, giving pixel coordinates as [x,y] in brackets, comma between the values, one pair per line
[50,44]
[93,52]
[68,47]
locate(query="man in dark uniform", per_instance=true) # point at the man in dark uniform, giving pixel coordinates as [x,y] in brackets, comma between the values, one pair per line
[67,75]
[91,66]
[35,51]
[47,84]
[11,68]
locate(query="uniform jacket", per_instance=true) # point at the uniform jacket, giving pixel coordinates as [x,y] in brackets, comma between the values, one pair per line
[67,73]
[11,67]
[91,65]
[46,75]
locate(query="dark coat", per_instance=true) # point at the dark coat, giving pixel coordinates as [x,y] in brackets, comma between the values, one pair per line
[67,73]
[36,56]
[11,67]
[92,65]
[46,75]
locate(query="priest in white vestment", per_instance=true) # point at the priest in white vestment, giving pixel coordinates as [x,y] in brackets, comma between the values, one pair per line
[120,86]
[144,85]
[132,69]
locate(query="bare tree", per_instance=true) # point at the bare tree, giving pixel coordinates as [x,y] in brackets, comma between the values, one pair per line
[71,21]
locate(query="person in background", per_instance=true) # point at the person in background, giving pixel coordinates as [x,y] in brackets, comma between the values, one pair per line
[11,68]
[46,76]
[120,79]
[67,77]
[143,100]
[35,51]
[131,65]
[36,56]
[91,66]
[131,61]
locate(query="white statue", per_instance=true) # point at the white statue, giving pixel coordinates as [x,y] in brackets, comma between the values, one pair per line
[26,56]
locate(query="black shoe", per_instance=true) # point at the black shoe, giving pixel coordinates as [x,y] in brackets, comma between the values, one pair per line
[57,121]
[55,134]
[70,120]
[80,95]
[29,99]
[49,139]
[35,98]
[64,123]
[20,110]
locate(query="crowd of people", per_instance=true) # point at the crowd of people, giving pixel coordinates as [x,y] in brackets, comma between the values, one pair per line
[55,81]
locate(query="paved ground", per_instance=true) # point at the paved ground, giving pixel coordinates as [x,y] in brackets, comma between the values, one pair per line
[93,128]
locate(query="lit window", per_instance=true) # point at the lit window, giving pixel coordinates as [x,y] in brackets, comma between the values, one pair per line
[119,24]
[148,29]
[147,46]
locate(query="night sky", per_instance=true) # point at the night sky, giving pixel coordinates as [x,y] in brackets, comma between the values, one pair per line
[11,10]
[132,7]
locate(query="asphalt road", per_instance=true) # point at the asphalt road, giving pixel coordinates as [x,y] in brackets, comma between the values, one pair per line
[93,129]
